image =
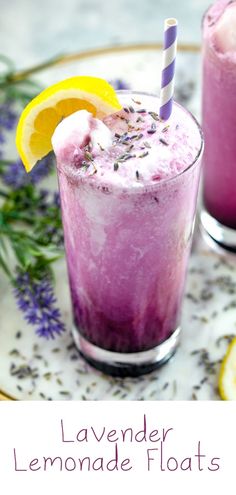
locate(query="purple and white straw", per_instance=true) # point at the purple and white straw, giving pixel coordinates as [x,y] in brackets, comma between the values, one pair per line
[168,68]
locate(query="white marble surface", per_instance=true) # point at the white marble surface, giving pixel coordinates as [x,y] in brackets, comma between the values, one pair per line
[31,31]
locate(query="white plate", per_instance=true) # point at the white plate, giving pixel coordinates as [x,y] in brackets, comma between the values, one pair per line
[34,369]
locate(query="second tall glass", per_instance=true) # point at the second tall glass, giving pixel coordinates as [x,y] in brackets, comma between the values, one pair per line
[219,123]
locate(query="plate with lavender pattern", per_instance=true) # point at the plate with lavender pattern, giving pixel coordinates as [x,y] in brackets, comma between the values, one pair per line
[33,368]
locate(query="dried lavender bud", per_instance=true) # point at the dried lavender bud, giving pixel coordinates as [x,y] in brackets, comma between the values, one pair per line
[163,141]
[144,154]
[154,116]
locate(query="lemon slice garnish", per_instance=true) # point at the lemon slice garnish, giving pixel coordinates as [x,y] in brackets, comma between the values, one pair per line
[227,376]
[42,115]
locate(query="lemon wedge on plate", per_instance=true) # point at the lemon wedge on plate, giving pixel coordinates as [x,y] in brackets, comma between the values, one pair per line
[227,377]
[42,115]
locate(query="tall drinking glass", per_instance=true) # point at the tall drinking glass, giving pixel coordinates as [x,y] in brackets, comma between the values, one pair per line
[128,231]
[219,123]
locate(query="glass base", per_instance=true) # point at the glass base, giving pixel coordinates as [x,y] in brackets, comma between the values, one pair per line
[126,364]
[224,236]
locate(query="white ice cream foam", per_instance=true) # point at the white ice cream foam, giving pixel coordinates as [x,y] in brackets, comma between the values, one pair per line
[77,130]
[170,148]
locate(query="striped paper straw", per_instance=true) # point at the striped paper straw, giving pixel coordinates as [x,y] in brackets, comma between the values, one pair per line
[168,68]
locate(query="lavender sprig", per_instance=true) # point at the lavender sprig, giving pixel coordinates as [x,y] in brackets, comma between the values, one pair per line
[36,299]
[30,221]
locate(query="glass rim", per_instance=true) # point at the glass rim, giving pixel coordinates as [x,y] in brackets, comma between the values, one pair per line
[144,187]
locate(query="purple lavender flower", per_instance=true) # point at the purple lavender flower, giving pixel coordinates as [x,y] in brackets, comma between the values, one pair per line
[2,140]
[119,84]
[7,116]
[56,200]
[7,120]
[36,299]
[16,177]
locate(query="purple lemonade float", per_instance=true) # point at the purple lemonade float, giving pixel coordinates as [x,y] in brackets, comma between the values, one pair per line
[128,171]
[128,186]
[128,203]
[219,122]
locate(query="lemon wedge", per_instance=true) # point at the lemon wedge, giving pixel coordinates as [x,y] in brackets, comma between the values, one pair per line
[42,115]
[227,376]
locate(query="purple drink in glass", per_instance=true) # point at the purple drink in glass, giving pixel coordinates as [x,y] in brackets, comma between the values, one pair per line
[219,123]
[128,209]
